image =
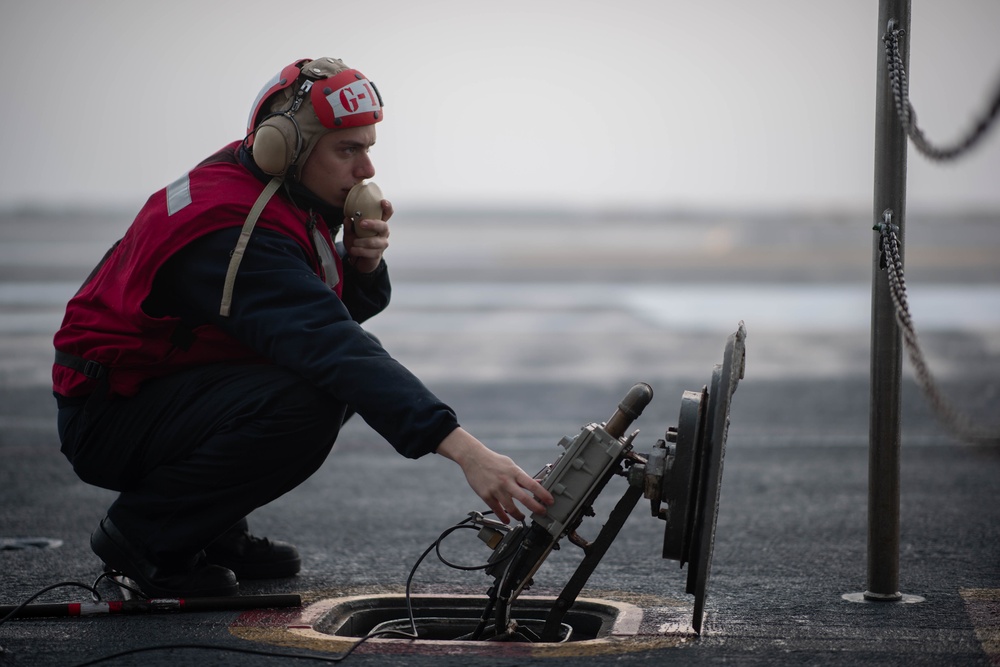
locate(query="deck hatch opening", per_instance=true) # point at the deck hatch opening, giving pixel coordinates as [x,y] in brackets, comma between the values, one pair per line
[456,618]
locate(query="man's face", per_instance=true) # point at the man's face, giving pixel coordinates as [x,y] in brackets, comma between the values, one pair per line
[339,162]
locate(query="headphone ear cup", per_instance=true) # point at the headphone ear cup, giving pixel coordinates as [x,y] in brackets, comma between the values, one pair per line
[275,145]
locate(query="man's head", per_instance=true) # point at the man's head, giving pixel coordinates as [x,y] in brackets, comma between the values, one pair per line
[307,100]
[339,162]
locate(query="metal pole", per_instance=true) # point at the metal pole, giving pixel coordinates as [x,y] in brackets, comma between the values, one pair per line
[886,343]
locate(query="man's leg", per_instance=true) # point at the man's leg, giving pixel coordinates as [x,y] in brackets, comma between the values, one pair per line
[194,453]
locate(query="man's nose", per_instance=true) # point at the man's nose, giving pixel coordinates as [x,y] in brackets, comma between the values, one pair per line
[365,168]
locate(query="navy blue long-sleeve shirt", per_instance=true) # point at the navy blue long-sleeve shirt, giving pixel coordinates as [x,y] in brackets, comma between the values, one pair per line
[284,311]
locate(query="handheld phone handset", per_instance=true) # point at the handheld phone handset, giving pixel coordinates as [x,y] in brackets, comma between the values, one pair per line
[363,202]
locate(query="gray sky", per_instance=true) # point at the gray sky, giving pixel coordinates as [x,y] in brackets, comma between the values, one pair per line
[654,103]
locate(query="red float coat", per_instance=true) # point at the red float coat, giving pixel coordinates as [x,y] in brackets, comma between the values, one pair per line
[105,321]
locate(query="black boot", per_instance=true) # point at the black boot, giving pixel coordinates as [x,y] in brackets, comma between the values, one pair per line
[253,557]
[194,578]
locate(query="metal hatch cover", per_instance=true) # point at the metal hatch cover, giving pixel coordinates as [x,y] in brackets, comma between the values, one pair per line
[708,487]
[683,473]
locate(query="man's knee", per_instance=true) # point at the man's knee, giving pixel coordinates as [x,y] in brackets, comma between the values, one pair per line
[279,405]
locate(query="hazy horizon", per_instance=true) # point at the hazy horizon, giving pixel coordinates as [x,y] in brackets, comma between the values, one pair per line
[646,105]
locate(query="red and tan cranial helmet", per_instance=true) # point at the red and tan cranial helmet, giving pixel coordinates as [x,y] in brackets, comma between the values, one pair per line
[304,101]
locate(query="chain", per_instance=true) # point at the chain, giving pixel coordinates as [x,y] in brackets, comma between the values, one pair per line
[908,117]
[893,261]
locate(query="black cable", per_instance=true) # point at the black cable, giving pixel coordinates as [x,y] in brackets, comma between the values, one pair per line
[409,579]
[466,568]
[249,651]
[435,546]
[485,618]
[18,608]
[212,647]
[503,611]
[110,576]
[96,596]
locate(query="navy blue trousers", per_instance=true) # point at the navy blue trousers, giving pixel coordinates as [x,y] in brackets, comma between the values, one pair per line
[193,453]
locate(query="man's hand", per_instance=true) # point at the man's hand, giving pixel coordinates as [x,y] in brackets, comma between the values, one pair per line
[364,249]
[495,478]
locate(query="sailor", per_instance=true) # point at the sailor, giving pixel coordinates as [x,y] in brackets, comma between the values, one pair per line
[208,363]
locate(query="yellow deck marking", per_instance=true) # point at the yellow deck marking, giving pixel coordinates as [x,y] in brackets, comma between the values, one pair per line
[983,607]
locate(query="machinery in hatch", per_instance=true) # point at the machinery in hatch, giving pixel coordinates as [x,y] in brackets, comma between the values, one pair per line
[681,477]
